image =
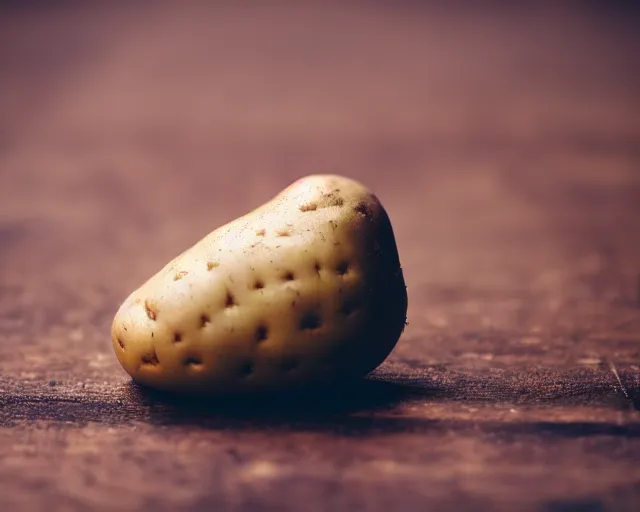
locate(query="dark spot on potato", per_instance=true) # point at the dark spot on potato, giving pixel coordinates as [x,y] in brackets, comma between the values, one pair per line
[150,359]
[342,268]
[193,362]
[309,207]
[363,209]
[120,342]
[150,310]
[230,300]
[310,321]
[261,333]
[180,275]
[258,284]
[316,267]
[204,320]
[177,337]
[288,276]
[212,264]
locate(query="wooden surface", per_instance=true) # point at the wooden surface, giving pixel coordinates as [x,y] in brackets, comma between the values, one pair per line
[505,145]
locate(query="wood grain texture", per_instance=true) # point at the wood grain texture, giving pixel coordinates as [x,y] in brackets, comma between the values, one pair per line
[503,142]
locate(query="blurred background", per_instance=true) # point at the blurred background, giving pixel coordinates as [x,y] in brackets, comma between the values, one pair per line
[503,139]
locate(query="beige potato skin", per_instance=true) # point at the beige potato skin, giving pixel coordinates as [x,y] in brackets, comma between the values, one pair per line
[305,289]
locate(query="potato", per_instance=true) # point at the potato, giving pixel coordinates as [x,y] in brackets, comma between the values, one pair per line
[306,289]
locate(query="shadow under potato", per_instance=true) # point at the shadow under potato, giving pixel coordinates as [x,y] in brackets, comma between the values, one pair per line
[365,395]
[348,410]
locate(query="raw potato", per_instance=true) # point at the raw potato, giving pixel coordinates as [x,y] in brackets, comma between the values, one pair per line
[305,289]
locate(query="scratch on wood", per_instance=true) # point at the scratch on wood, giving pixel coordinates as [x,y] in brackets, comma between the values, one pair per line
[617,376]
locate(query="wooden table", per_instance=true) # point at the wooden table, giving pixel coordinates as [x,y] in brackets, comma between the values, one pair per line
[505,145]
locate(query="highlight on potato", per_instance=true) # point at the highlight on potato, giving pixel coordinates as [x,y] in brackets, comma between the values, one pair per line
[306,289]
